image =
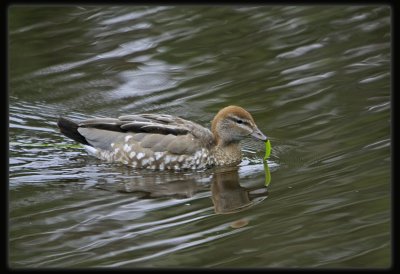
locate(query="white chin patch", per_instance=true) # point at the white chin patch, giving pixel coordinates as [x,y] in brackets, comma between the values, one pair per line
[91,150]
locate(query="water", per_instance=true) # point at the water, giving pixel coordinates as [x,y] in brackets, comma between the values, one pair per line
[315,78]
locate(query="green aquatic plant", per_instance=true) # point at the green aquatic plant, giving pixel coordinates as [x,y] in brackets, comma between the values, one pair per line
[267,174]
[266,167]
[267,149]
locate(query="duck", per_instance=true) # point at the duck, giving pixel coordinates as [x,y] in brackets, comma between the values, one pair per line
[163,141]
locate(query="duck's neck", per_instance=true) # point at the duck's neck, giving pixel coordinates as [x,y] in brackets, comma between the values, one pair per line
[227,154]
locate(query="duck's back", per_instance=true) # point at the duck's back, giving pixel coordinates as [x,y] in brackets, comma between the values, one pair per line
[144,140]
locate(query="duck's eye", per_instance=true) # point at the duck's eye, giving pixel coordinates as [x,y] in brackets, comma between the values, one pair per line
[239,121]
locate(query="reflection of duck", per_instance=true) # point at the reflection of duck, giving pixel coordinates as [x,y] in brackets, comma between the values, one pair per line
[229,196]
[165,184]
[157,141]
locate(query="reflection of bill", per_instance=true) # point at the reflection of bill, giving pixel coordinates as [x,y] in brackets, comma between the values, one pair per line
[229,196]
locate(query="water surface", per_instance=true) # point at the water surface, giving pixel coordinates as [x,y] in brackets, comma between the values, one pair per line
[315,78]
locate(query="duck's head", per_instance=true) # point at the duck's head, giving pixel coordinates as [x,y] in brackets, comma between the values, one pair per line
[232,124]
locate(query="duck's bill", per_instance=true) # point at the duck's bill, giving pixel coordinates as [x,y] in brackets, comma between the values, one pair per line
[259,135]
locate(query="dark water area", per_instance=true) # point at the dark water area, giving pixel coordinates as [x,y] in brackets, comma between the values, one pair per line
[317,80]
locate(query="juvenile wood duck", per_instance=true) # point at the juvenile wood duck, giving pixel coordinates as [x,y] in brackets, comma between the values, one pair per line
[160,141]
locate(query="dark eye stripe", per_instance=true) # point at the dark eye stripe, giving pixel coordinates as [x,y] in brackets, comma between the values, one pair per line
[239,121]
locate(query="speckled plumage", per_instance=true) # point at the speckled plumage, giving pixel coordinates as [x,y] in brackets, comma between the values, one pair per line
[159,141]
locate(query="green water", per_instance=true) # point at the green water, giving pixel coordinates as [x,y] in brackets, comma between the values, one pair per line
[316,80]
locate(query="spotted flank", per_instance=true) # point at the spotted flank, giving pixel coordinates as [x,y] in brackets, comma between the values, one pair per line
[131,153]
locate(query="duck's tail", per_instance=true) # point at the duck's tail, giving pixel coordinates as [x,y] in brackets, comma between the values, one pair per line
[70,129]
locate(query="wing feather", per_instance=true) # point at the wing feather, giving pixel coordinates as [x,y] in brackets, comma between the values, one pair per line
[153,131]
